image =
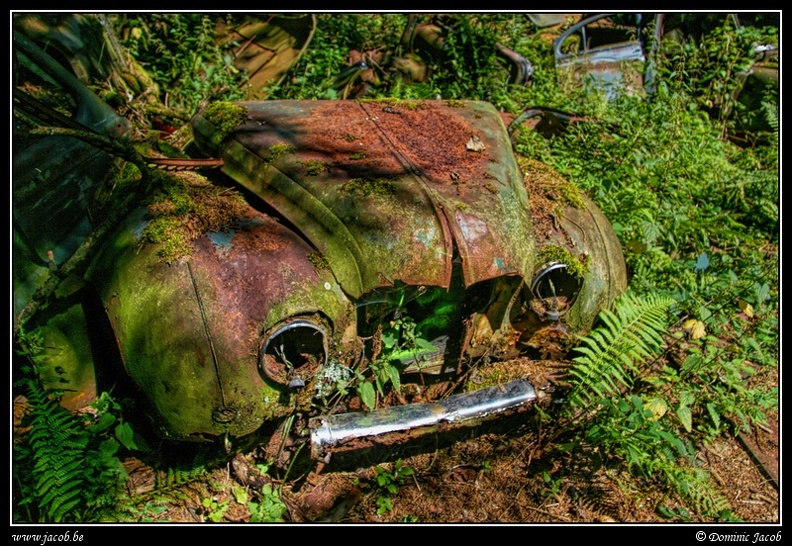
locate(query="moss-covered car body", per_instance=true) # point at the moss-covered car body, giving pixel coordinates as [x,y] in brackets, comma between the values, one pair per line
[371,260]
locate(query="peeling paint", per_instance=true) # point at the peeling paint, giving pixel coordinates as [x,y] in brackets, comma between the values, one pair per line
[473,228]
[222,240]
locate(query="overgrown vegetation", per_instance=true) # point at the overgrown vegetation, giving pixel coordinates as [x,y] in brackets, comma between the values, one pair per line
[698,218]
[68,468]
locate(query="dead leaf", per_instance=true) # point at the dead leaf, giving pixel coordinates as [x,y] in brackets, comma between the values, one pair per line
[746,308]
[475,144]
[694,328]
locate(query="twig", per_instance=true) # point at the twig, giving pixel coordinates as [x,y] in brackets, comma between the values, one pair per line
[548,514]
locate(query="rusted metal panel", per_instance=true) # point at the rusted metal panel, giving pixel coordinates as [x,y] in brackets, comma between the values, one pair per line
[606,278]
[384,192]
[199,366]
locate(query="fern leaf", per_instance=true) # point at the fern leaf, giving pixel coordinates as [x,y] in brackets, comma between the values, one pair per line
[63,503]
[610,356]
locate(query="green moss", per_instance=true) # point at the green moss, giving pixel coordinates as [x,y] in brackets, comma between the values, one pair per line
[185,206]
[570,195]
[313,167]
[366,187]
[407,104]
[411,104]
[490,188]
[319,261]
[553,253]
[359,155]
[226,117]
[490,377]
[455,103]
[166,231]
[278,150]
[348,137]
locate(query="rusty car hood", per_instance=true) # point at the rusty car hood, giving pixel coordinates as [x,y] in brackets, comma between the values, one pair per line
[387,190]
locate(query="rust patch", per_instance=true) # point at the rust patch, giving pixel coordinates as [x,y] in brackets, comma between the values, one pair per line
[442,155]
[254,271]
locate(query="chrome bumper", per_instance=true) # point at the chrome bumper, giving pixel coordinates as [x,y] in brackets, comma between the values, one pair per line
[398,424]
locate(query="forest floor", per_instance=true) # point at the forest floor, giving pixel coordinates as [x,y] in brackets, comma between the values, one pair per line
[492,478]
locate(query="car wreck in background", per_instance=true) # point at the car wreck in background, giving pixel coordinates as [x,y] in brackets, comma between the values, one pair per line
[357,272]
[619,52]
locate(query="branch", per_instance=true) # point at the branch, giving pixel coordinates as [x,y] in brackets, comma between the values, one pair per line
[77,262]
[112,146]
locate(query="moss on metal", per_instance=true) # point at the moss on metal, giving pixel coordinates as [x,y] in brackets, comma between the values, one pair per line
[319,261]
[226,117]
[408,104]
[277,150]
[367,186]
[185,206]
[575,266]
[314,167]
[543,179]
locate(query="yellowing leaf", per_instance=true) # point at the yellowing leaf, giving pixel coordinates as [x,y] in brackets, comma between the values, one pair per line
[694,328]
[746,308]
[657,406]
[686,417]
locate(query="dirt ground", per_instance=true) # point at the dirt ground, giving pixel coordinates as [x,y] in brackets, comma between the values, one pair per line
[489,479]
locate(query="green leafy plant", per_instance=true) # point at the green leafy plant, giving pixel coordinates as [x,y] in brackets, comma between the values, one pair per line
[67,468]
[388,482]
[269,507]
[214,509]
[698,219]
[179,52]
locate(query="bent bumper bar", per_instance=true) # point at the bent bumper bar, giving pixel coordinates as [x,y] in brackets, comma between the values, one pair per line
[396,425]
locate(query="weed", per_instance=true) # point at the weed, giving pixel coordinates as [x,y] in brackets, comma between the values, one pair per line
[213,509]
[388,483]
[269,507]
[67,470]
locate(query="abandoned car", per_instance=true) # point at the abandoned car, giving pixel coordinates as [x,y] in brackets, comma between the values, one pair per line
[619,52]
[354,272]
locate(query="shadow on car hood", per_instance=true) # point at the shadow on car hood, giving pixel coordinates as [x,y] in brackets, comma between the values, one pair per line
[387,190]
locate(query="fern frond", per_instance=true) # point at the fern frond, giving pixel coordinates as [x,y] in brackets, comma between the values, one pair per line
[59,459]
[610,356]
[695,486]
[771,112]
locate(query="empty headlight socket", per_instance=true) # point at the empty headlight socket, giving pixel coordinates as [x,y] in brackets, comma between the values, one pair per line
[554,290]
